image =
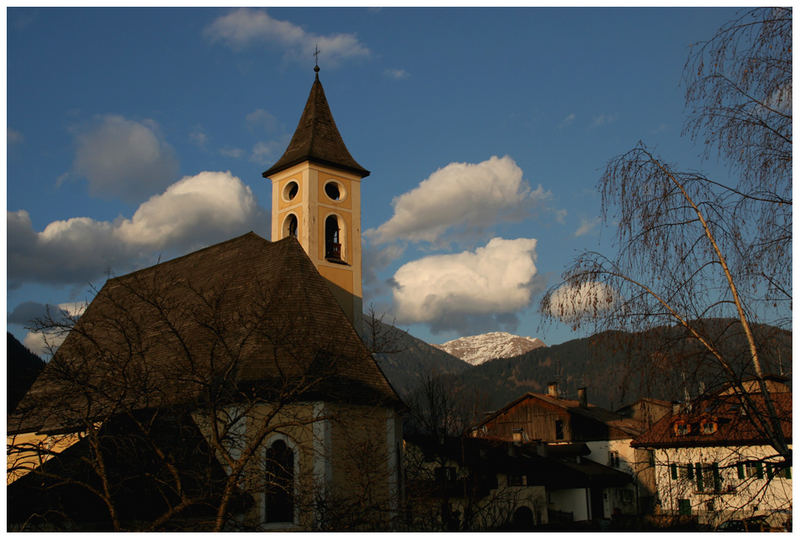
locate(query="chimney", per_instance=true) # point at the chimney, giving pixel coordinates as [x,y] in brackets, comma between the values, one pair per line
[582,397]
[552,389]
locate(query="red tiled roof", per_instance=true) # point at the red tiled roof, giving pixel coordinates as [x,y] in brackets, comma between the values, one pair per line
[732,425]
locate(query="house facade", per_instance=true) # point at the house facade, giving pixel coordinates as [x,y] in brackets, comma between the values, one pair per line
[713,464]
[553,420]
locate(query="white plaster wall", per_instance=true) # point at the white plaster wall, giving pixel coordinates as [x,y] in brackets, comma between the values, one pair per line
[571,500]
[737,497]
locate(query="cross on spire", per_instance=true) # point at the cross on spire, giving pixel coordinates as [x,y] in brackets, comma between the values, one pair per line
[316,57]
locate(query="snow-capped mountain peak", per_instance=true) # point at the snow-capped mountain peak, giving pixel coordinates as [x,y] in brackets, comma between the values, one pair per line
[484,347]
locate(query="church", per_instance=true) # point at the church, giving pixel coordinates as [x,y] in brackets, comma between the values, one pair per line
[227,389]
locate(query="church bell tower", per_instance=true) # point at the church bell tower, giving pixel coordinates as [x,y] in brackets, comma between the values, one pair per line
[316,197]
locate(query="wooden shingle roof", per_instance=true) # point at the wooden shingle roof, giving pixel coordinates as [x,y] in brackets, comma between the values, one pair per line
[243,316]
[317,139]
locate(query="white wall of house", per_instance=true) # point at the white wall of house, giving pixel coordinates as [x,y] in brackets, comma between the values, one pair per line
[733,496]
[574,500]
[623,497]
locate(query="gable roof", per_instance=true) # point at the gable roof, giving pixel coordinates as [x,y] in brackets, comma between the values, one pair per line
[733,426]
[245,315]
[573,407]
[317,139]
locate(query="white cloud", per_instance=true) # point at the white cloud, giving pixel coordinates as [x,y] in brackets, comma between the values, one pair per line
[232,152]
[603,119]
[195,211]
[13,136]
[266,151]
[124,158]
[560,215]
[396,73]
[568,120]
[261,120]
[198,137]
[587,226]
[245,27]
[460,195]
[441,290]
[44,343]
[569,302]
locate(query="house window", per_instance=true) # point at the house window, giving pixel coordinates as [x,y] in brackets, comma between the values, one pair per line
[750,469]
[681,428]
[517,480]
[559,429]
[279,492]
[684,507]
[710,505]
[613,459]
[707,477]
[333,247]
[651,458]
[708,427]
[518,435]
[445,474]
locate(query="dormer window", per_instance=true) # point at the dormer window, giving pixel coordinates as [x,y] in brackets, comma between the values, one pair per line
[681,427]
[708,426]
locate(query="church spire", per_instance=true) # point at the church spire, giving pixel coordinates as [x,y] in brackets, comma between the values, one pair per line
[316,138]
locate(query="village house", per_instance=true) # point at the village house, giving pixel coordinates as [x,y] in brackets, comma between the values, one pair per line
[228,388]
[554,421]
[713,464]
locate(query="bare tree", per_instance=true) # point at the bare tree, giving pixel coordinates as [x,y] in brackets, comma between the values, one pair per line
[160,410]
[691,248]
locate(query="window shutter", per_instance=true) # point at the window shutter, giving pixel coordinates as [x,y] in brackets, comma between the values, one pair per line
[715,470]
[759,469]
[674,470]
[740,470]
[699,476]
[787,472]
[689,471]
[769,470]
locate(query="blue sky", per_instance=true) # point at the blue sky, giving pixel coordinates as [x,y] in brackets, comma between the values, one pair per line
[141,133]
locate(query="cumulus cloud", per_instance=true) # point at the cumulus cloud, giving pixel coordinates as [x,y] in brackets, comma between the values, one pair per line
[195,211]
[587,226]
[28,312]
[568,120]
[45,342]
[244,27]
[124,158]
[572,302]
[445,291]
[461,196]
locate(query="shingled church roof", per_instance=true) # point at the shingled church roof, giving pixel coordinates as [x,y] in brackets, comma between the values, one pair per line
[317,139]
[243,316]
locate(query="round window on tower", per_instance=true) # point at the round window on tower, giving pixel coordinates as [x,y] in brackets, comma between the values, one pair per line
[290,190]
[334,191]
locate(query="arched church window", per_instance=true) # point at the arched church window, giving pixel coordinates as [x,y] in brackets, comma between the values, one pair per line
[290,226]
[279,492]
[333,247]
